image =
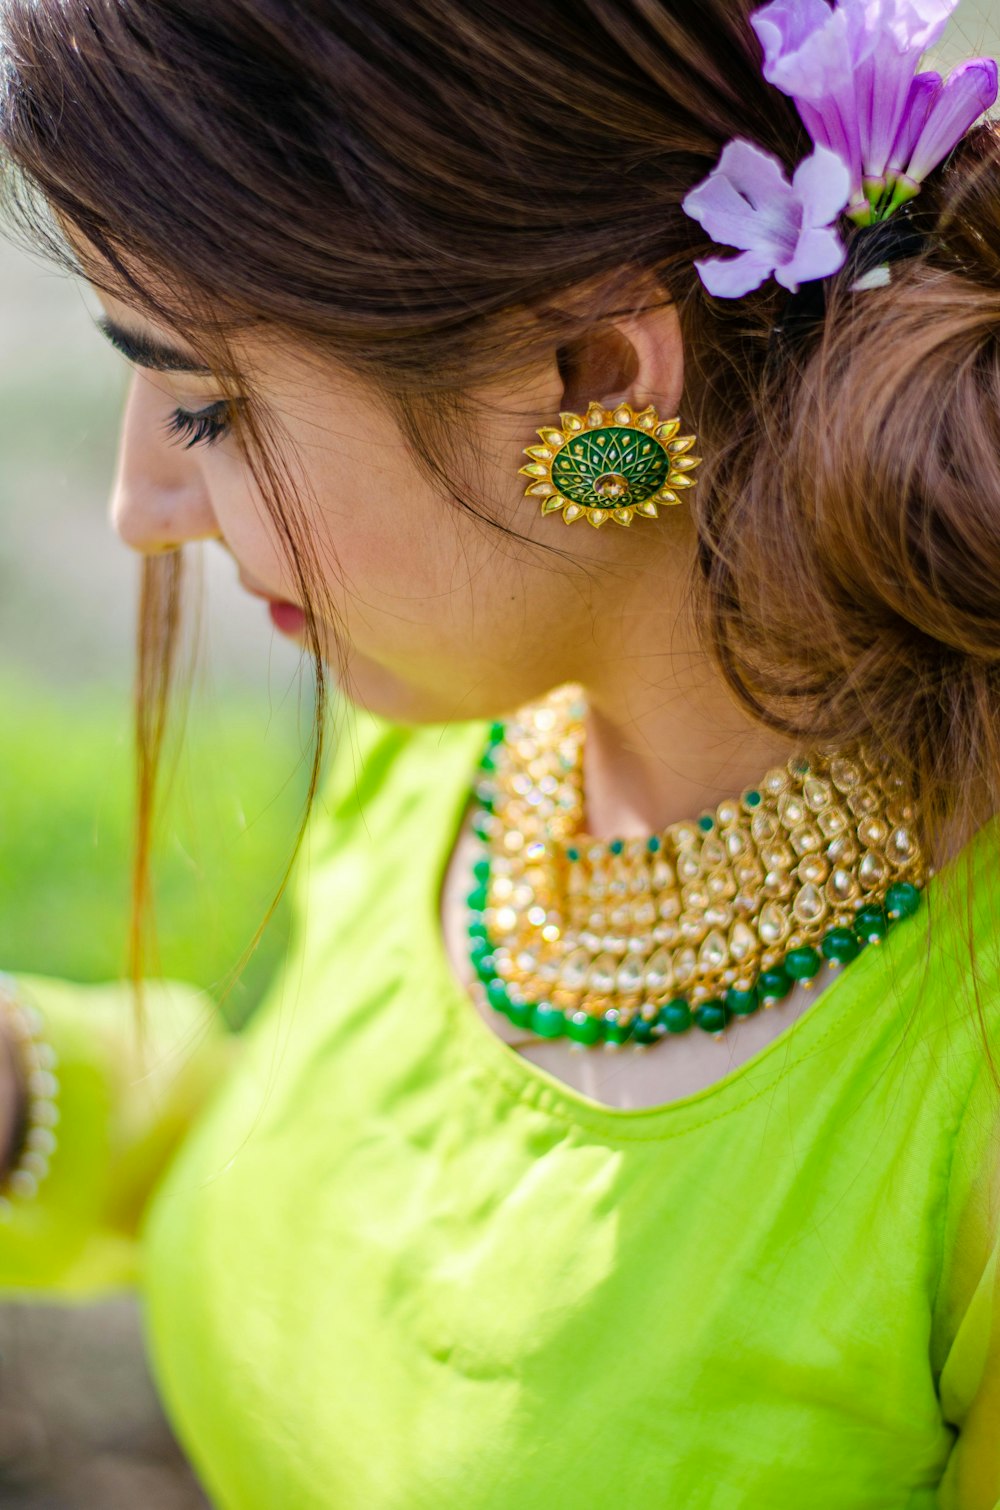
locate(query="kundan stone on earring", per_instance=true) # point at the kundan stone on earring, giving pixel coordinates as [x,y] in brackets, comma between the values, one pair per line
[610,464]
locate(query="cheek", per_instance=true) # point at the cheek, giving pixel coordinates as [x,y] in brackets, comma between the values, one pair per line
[390,540]
[385,543]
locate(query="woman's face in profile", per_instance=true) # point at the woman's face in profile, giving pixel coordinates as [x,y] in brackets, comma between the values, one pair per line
[442,615]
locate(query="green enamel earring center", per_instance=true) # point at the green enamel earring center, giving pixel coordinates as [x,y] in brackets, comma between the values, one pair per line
[610,464]
[604,469]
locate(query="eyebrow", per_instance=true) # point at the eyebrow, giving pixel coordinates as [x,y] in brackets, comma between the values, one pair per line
[146,351]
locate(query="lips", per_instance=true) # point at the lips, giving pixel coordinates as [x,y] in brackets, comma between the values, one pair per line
[288,617]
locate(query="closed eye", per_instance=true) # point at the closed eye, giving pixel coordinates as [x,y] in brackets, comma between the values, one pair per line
[202,428]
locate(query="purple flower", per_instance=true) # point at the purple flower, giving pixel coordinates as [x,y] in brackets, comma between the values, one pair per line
[901,31]
[850,70]
[811,53]
[782,228]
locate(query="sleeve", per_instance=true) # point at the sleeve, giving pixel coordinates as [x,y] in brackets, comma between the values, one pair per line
[125,1102]
[969,1310]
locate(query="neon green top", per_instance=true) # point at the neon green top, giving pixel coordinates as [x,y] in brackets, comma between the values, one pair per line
[387,1263]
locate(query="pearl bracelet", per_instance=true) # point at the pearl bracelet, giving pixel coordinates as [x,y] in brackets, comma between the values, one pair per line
[34,1140]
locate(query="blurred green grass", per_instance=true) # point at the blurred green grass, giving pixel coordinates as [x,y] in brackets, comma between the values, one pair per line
[66,794]
[68,596]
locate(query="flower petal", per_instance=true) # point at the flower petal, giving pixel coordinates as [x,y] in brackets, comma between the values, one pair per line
[746,201]
[968,91]
[883,87]
[913,25]
[732,277]
[810,50]
[819,254]
[785,25]
[924,92]
[822,185]
[826,127]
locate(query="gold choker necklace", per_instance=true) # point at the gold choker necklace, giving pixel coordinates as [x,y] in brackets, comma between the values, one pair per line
[636,939]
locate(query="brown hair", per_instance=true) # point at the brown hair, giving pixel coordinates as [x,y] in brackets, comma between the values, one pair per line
[420,187]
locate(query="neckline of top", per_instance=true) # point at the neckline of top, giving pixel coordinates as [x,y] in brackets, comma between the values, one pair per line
[892,961]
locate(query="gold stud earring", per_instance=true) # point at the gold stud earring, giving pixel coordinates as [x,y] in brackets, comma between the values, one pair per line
[610,464]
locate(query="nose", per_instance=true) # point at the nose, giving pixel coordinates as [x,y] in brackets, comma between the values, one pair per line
[159,499]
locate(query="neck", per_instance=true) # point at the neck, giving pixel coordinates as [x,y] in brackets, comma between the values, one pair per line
[647,767]
[665,738]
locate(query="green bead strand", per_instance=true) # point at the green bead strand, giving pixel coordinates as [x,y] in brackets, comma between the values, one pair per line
[841,946]
[871,925]
[496,995]
[485,966]
[616,1031]
[774,985]
[547,1021]
[902,900]
[676,1016]
[583,1027]
[712,1016]
[803,964]
[743,1003]
[520,1013]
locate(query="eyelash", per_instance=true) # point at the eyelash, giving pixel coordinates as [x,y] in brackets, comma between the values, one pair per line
[203,428]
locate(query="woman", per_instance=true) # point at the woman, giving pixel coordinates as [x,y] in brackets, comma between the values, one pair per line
[567,1172]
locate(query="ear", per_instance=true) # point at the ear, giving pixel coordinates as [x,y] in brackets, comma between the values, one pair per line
[638,359]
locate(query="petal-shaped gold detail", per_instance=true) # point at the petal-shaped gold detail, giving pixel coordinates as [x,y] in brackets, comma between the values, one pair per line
[551,505]
[686,463]
[534,469]
[666,496]
[554,438]
[596,415]
[570,422]
[538,453]
[539,490]
[597,517]
[624,516]
[681,444]
[571,512]
[647,419]
[679,480]
[667,431]
[623,415]
[648,508]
